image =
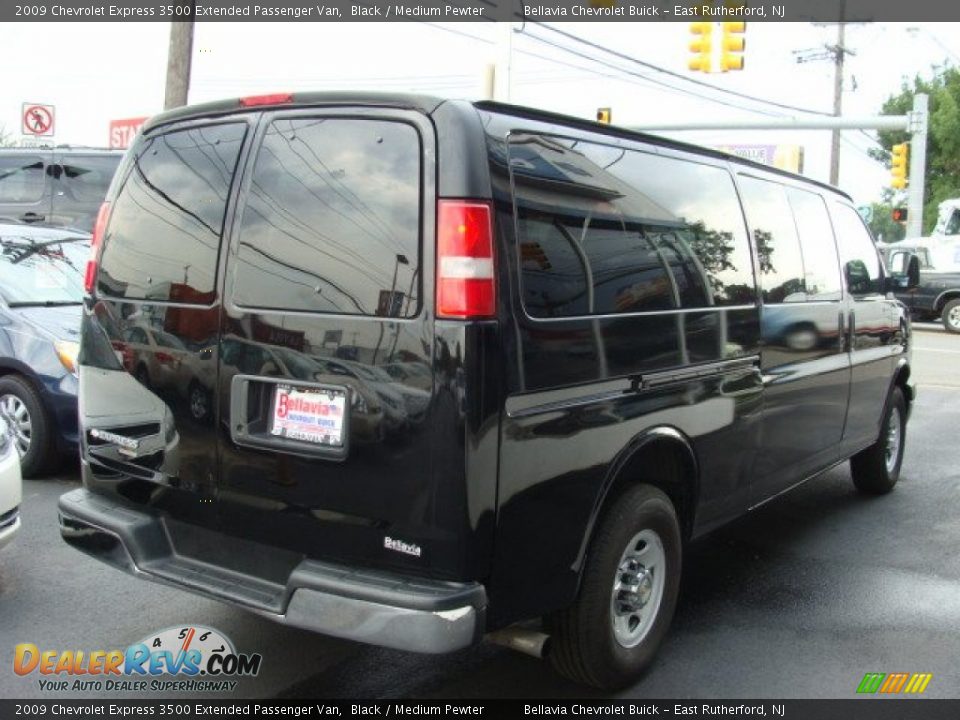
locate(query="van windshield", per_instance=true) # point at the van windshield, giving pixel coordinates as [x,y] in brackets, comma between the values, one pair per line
[34,271]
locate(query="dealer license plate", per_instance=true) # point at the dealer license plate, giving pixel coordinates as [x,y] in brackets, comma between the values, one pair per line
[311,415]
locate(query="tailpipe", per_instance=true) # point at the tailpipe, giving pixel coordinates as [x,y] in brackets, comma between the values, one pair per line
[529,642]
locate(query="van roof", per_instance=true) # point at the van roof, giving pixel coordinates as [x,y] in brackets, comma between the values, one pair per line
[428,104]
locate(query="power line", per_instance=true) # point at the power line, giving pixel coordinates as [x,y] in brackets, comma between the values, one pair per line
[665,71]
[647,78]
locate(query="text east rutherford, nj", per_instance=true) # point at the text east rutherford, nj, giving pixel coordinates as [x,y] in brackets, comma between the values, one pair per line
[649,11]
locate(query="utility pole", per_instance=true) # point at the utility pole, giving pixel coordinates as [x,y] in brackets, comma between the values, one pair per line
[178,62]
[839,52]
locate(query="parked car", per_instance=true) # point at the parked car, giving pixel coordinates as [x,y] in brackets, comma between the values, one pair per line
[591,305]
[56,186]
[936,295]
[10,485]
[41,291]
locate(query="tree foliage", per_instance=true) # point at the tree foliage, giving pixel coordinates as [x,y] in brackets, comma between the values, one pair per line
[943,139]
[883,225]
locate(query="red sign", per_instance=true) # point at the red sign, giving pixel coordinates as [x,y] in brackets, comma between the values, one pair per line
[38,120]
[122,132]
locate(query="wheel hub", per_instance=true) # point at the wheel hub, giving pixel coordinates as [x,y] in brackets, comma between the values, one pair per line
[638,588]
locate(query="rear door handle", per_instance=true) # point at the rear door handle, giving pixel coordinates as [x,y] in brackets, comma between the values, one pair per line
[31,217]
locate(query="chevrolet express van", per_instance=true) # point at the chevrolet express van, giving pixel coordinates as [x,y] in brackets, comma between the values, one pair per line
[627,341]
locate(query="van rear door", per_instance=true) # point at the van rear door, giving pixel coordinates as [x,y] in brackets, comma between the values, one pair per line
[327,282]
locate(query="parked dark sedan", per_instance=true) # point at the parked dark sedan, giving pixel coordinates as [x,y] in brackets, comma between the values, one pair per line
[41,288]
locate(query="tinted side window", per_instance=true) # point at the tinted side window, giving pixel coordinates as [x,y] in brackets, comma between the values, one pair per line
[167,220]
[87,178]
[777,243]
[820,263]
[604,230]
[332,221]
[21,178]
[858,254]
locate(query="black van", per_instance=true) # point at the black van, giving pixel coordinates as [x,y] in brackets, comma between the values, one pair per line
[628,341]
[60,186]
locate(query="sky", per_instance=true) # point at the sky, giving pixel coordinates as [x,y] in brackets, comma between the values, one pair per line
[95,72]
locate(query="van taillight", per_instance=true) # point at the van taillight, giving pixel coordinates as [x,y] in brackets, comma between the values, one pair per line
[274,99]
[465,271]
[90,276]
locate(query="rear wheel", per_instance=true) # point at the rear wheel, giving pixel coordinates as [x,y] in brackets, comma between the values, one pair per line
[951,316]
[876,470]
[32,435]
[628,593]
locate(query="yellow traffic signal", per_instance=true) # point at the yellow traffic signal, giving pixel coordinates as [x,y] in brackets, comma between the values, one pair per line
[898,166]
[700,46]
[604,115]
[733,46]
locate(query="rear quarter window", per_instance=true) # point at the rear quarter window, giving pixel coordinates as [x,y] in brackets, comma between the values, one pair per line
[163,238]
[332,219]
[604,230]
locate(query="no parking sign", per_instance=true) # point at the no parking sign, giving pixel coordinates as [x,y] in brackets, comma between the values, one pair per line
[38,120]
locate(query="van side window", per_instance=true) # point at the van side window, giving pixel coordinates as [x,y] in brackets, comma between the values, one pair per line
[87,177]
[775,236]
[820,263]
[332,220]
[21,178]
[176,190]
[861,262]
[603,230]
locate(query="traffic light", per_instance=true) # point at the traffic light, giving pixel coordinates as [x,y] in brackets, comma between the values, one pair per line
[899,215]
[700,46]
[731,57]
[604,115]
[898,166]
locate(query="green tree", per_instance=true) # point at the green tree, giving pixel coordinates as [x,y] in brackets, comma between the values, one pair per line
[943,140]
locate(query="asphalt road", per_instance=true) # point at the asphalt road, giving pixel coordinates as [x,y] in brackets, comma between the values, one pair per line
[798,600]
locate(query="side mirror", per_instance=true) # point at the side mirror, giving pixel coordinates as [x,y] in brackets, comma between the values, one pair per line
[904,272]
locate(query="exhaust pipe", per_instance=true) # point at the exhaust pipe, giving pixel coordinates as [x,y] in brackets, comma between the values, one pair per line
[529,642]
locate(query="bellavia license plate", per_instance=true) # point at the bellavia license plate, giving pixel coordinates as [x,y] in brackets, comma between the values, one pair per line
[314,415]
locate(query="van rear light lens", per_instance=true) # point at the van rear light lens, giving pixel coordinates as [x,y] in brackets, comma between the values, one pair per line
[274,99]
[90,276]
[465,270]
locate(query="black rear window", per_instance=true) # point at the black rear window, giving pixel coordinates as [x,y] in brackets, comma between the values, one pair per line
[332,220]
[166,224]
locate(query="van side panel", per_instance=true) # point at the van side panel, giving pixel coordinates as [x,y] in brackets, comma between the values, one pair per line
[583,393]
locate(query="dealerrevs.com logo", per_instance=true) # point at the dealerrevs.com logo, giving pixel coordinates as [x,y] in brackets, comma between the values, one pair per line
[187,659]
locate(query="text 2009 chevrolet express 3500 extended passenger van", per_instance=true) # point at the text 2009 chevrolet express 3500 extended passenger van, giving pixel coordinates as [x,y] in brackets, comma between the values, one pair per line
[609,344]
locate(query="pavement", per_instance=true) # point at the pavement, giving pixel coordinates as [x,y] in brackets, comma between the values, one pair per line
[798,599]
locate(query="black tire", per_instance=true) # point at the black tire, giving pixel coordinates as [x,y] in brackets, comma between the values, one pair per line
[951,316]
[41,453]
[583,644]
[871,471]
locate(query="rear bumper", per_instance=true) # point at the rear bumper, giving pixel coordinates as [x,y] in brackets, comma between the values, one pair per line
[374,607]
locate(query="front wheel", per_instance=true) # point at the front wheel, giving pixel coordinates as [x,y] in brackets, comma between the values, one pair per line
[951,316]
[627,597]
[876,470]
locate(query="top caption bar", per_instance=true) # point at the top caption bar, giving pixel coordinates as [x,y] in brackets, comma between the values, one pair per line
[478,11]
